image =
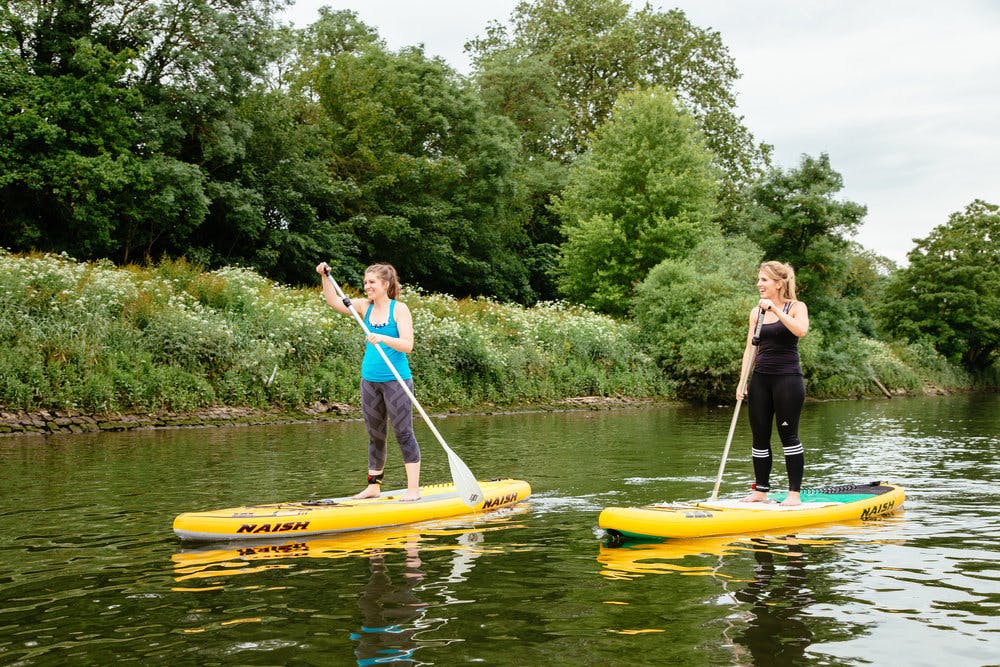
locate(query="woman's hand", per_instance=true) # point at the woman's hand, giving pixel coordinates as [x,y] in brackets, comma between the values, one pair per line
[322,268]
[765,304]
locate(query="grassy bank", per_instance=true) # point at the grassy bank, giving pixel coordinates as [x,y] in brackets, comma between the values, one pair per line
[92,337]
[95,338]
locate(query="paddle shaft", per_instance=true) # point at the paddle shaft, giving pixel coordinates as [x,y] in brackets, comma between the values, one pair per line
[452,456]
[754,342]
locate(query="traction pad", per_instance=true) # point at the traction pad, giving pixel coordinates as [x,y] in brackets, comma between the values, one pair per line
[871,488]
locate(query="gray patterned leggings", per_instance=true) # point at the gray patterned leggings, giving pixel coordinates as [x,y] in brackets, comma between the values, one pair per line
[382,403]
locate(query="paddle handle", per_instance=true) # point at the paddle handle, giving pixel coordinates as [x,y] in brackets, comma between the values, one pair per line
[725,452]
[754,342]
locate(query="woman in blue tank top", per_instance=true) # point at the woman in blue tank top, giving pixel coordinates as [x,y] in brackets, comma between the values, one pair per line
[776,389]
[383,401]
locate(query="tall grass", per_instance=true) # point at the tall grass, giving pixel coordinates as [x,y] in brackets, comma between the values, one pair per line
[96,338]
[93,337]
[851,370]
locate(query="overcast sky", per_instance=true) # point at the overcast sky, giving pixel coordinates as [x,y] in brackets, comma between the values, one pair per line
[904,95]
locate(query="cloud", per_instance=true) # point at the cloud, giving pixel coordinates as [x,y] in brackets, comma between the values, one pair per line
[899,94]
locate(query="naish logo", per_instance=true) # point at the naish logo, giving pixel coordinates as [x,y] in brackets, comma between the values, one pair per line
[500,500]
[296,549]
[255,528]
[878,509]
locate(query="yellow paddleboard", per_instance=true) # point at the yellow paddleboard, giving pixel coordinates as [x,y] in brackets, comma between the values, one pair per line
[336,515]
[730,517]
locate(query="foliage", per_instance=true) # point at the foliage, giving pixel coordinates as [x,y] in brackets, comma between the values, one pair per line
[95,338]
[281,212]
[67,129]
[932,368]
[692,313]
[794,217]
[644,192]
[864,284]
[557,69]
[435,192]
[564,63]
[120,127]
[949,295]
[201,129]
[693,317]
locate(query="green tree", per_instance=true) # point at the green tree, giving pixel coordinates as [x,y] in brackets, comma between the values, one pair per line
[523,89]
[794,217]
[284,210]
[692,313]
[310,52]
[949,294]
[67,129]
[644,192]
[433,173]
[864,284]
[200,63]
[559,69]
[122,131]
[556,70]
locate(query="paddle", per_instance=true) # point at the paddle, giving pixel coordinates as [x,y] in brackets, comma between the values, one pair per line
[755,341]
[465,482]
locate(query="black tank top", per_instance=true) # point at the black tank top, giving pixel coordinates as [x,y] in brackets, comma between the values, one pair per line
[778,352]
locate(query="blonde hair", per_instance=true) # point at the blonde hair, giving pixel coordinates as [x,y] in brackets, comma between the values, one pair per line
[783,272]
[386,273]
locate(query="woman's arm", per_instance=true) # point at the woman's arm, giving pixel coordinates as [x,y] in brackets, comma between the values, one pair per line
[330,295]
[404,322]
[795,320]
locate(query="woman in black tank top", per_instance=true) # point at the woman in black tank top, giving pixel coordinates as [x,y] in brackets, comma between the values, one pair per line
[776,389]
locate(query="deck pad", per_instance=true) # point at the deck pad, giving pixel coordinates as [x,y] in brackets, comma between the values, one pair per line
[770,506]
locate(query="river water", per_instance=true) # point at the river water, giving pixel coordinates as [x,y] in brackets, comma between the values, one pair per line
[90,572]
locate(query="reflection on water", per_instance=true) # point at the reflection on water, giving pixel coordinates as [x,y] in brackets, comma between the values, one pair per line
[237,558]
[778,596]
[391,613]
[633,559]
[771,618]
[393,603]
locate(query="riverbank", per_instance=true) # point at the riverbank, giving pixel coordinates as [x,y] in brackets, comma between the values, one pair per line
[170,338]
[90,347]
[53,422]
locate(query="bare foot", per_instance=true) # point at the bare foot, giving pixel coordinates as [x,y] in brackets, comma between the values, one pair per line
[755,497]
[372,491]
[409,497]
[792,499]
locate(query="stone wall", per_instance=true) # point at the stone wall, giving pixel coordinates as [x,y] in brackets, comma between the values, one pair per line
[45,422]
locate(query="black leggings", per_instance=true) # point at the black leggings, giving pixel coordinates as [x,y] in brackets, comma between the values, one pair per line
[776,398]
[385,403]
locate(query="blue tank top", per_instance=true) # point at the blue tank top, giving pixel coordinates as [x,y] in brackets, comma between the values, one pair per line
[778,352]
[373,368]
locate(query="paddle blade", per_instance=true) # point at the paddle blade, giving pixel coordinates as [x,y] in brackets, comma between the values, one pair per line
[465,482]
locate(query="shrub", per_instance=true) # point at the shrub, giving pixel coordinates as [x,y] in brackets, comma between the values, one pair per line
[94,337]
